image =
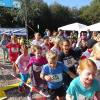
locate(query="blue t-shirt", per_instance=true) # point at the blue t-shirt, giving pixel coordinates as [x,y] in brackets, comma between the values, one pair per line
[56,74]
[79,92]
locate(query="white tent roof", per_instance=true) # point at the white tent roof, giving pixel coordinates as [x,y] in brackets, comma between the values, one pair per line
[71,27]
[94,27]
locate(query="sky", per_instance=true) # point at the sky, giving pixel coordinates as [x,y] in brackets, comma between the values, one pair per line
[70,3]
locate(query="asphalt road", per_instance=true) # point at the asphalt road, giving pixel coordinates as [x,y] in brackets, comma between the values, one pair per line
[7,79]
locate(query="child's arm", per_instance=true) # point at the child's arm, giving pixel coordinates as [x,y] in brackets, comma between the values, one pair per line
[45,77]
[72,75]
[97,95]
[69,97]
[29,65]
[17,69]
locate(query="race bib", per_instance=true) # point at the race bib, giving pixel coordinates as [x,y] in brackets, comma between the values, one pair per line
[3,46]
[57,78]
[69,62]
[37,68]
[82,97]
[14,49]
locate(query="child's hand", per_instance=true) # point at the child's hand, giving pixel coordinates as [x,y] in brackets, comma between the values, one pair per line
[17,70]
[26,69]
[48,78]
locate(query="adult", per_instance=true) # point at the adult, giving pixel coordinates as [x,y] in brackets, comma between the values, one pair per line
[3,43]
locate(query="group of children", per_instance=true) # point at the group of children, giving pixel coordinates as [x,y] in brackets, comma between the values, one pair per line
[53,62]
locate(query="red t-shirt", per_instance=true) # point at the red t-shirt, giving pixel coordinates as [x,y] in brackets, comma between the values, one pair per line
[13,50]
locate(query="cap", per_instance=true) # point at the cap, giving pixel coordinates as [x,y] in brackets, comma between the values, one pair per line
[91,42]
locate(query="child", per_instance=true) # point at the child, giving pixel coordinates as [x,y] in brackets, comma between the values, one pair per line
[20,64]
[70,58]
[35,64]
[37,61]
[32,50]
[13,50]
[56,47]
[85,86]
[90,44]
[96,58]
[37,40]
[53,74]
[3,44]
[45,45]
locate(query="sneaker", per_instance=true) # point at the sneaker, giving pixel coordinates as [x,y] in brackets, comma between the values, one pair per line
[44,93]
[29,97]
[25,86]
[21,89]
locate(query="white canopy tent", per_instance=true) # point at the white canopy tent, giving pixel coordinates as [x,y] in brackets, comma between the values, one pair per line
[94,27]
[72,27]
[16,31]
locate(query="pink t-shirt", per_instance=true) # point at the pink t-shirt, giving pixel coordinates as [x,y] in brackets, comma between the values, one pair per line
[45,48]
[22,62]
[56,50]
[37,63]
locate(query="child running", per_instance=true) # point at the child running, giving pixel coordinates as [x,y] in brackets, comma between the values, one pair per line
[20,64]
[53,74]
[3,44]
[13,51]
[85,86]
[35,64]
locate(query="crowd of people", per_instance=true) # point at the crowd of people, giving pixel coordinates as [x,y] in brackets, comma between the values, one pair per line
[65,66]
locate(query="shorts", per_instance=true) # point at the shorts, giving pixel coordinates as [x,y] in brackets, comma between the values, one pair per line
[57,92]
[24,78]
[12,59]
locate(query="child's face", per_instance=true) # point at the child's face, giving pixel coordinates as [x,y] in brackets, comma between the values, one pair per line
[46,41]
[24,51]
[97,53]
[66,47]
[38,53]
[87,76]
[52,63]
[37,36]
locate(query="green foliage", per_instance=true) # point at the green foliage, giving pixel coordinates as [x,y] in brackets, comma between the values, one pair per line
[5,17]
[36,12]
[91,14]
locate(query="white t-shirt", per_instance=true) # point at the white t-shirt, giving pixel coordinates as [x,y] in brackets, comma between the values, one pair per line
[56,50]
[22,62]
[35,42]
[44,48]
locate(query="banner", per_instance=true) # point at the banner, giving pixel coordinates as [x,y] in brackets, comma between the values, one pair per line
[11,31]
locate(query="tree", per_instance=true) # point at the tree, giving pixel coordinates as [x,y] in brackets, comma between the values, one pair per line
[91,14]
[60,15]
[6,20]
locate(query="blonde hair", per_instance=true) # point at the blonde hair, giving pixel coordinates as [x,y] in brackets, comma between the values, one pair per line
[96,47]
[37,47]
[50,55]
[86,63]
[56,40]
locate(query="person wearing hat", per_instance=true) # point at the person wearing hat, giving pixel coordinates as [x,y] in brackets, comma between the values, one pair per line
[90,44]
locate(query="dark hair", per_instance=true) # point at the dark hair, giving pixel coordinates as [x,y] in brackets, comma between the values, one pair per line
[66,40]
[91,43]
[45,37]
